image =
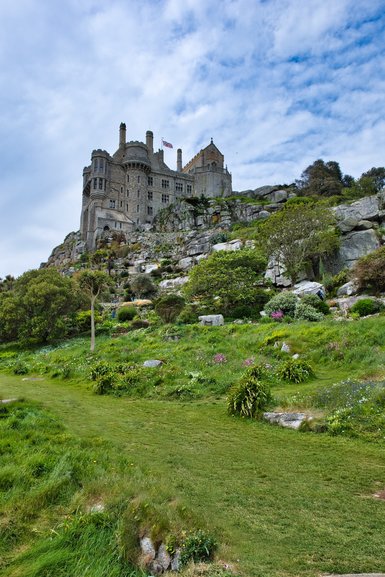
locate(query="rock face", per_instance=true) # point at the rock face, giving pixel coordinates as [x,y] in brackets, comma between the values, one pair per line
[356,244]
[308,288]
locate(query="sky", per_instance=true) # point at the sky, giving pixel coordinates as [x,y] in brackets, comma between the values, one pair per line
[276,83]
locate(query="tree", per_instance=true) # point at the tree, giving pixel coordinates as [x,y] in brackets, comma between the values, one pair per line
[321,178]
[93,283]
[142,286]
[295,235]
[169,306]
[369,271]
[227,280]
[370,182]
[38,306]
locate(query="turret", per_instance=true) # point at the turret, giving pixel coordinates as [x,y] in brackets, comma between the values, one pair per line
[122,135]
[179,160]
[150,141]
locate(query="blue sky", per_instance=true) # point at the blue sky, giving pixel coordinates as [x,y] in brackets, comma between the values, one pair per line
[276,83]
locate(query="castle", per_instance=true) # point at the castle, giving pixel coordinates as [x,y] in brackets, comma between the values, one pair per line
[125,191]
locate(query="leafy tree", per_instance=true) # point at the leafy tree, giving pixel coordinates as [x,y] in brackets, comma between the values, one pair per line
[321,178]
[370,182]
[169,306]
[38,306]
[298,234]
[93,283]
[142,286]
[228,279]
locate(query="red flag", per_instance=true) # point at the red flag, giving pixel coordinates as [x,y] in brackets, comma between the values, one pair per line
[168,144]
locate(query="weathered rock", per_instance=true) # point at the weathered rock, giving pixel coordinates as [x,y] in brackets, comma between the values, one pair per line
[356,244]
[163,558]
[212,320]
[173,283]
[364,209]
[152,363]
[175,561]
[147,548]
[308,288]
[285,348]
[186,263]
[366,225]
[347,224]
[227,246]
[289,420]
[347,289]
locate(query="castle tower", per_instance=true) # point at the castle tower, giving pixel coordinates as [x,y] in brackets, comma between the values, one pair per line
[179,160]
[138,167]
[122,136]
[150,141]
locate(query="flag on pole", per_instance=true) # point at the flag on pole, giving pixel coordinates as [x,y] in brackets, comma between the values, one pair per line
[167,144]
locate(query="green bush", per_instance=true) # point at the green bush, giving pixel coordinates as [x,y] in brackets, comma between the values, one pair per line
[370,271]
[295,371]
[284,301]
[169,306]
[197,546]
[140,324]
[126,314]
[248,397]
[305,312]
[315,302]
[188,316]
[366,307]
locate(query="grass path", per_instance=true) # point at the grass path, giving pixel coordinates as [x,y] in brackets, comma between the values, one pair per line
[282,503]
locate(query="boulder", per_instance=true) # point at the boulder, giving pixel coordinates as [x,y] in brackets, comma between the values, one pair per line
[306,287]
[152,363]
[364,209]
[173,283]
[212,320]
[231,245]
[186,263]
[347,289]
[347,224]
[163,558]
[147,548]
[289,420]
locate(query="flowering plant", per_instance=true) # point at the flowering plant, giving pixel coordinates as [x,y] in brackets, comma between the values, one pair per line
[277,315]
[219,358]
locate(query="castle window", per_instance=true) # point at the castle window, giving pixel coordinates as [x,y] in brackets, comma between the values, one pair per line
[189,189]
[179,186]
[150,181]
[105,184]
[121,190]
[149,210]
[127,194]
[137,208]
[138,178]
[165,183]
[100,184]
[120,225]
[126,206]
[128,178]
[150,195]
[121,204]
[95,183]
[112,203]
[165,198]
[138,193]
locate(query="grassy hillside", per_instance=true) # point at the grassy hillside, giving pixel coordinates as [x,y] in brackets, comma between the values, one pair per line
[164,457]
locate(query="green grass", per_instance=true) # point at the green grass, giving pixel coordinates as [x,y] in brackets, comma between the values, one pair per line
[279,502]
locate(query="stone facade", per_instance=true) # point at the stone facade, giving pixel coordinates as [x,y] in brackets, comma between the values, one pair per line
[125,191]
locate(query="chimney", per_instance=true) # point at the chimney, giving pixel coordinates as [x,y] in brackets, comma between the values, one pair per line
[150,141]
[122,135]
[179,160]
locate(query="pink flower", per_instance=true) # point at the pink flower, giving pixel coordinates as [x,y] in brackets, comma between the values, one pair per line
[277,315]
[249,362]
[219,358]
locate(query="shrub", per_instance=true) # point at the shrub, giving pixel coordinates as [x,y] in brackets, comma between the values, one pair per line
[188,316]
[169,306]
[366,307]
[284,301]
[295,371]
[126,313]
[305,312]
[197,546]
[142,286]
[317,304]
[140,324]
[248,397]
[370,271]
